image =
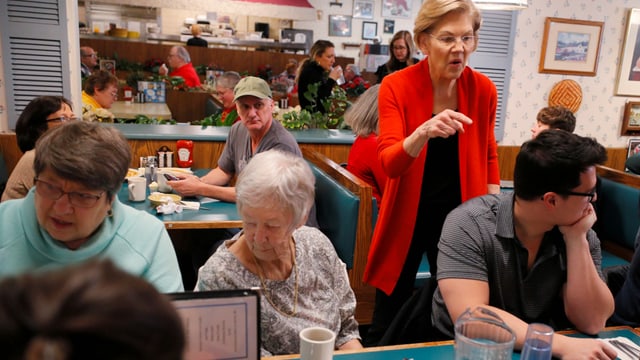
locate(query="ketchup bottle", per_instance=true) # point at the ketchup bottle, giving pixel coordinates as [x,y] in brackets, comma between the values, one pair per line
[185,153]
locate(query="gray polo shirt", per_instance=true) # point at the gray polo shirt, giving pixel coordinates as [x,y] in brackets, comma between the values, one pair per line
[478,242]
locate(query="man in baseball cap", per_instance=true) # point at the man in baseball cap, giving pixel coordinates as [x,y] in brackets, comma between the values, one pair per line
[252,86]
[255,132]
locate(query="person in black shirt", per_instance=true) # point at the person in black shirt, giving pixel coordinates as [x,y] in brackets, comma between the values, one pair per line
[318,69]
[402,48]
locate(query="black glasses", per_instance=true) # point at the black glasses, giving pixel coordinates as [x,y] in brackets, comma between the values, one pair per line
[52,192]
[63,119]
[589,195]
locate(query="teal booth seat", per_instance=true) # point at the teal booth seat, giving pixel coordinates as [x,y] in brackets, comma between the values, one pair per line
[618,211]
[337,214]
[4,174]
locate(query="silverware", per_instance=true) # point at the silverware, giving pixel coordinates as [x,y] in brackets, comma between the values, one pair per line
[629,350]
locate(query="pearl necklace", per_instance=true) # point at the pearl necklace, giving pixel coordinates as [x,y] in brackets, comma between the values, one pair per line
[266,292]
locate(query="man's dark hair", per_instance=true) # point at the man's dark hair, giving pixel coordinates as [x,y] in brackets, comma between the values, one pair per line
[553,161]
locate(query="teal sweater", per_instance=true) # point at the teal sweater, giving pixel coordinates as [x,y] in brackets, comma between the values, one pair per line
[134,240]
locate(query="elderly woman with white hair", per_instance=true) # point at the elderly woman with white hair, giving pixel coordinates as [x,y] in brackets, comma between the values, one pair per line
[303,281]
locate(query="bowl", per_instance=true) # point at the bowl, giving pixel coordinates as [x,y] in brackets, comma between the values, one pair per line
[158,199]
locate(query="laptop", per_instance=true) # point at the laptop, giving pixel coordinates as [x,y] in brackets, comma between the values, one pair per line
[221,324]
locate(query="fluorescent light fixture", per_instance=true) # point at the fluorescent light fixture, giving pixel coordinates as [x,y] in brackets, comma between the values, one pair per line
[501,4]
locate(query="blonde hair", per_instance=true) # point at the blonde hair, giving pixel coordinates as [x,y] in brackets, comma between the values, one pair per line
[433,11]
[363,115]
[196,30]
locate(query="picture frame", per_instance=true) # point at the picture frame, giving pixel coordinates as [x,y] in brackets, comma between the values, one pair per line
[397,8]
[389,26]
[570,47]
[628,82]
[634,147]
[631,119]
[369,30]
[108,65]
[363,9]
[340,25]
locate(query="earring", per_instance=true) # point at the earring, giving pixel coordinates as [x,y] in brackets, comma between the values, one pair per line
[110,213]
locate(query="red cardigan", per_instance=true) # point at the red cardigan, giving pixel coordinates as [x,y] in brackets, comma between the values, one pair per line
[404,103]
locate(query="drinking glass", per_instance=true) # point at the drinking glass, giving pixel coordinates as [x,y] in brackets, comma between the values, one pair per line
[537,343]
[481,334]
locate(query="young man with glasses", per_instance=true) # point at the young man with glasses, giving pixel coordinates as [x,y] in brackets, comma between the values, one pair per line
[88,61]
[530,255]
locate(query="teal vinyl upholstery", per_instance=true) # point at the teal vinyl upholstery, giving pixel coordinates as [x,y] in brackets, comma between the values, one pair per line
[618,211]
[337,214]
[4,174]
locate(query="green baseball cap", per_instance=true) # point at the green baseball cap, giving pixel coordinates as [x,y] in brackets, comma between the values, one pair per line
[252,86]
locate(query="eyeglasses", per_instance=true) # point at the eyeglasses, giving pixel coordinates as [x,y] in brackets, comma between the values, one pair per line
[52,192]
[399,48]
[90,55]
[589,195]
[63,119]
[450,40]
[114,94]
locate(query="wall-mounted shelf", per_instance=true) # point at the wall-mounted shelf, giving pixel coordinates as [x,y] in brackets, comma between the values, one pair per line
[350,45]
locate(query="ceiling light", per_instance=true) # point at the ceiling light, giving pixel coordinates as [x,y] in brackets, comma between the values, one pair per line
[501,4]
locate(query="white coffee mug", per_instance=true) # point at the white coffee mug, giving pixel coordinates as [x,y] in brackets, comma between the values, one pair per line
[317,343]
[137,188]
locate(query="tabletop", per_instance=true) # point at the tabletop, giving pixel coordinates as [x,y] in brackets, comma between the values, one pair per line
[441,349]
[211,215]
[129,110]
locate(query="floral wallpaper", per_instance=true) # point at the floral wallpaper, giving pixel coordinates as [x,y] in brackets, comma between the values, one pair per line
[600,114]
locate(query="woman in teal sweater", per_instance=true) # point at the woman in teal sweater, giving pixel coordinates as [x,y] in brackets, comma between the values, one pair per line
[73,214]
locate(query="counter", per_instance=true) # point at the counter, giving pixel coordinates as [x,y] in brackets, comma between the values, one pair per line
[145,140]
[124,110]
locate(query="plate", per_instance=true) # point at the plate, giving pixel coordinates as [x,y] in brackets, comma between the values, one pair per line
[157,199]
[134,172]
[178,170]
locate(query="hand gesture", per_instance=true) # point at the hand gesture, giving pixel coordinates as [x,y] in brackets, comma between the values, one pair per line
[188,185]
[579,228]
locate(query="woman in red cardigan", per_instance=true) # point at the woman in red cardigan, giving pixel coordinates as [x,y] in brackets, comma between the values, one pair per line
[437,146]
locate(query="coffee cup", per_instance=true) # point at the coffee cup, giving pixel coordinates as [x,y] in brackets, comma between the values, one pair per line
[317,343]
[137,188]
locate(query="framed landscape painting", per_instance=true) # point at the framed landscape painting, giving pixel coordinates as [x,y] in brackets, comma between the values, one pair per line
[339,25]
[363,9]
[570,46]
[396,8]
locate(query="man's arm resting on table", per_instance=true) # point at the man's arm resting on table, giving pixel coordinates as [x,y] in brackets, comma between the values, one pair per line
[460,294]
[212,185]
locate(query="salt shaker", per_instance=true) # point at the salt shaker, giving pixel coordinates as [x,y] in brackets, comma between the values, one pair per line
[150,169]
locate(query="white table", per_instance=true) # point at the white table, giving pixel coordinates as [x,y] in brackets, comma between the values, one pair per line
[124,110]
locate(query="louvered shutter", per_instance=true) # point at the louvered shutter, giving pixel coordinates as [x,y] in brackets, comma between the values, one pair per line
[494,54]
[35,50]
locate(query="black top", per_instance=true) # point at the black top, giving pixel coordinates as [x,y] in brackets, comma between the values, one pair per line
[196,41]
[313,73]
[386,68]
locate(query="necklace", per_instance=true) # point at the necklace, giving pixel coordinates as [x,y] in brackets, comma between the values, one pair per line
[266,291]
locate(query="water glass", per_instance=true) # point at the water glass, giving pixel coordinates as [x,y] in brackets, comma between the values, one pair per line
[481,334]
[537,343]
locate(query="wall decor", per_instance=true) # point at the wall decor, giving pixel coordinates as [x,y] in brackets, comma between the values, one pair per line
[389,25]
[339,25]
[631,119]
[634,147]
[629,71]
[369,30]
[363,9]
[570,46]
[396,8]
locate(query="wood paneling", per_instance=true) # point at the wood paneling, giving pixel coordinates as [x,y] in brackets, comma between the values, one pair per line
[507,159]
[242,61]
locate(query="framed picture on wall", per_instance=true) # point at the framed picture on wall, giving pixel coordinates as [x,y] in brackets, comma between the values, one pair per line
[108,65]
[629,71]
[369,30]
[396,8]
[389,25]
[631,119]
[339,25]
[634,147]
[570,46]
[363,9]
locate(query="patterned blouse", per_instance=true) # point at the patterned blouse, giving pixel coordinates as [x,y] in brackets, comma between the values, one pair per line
[324,296]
